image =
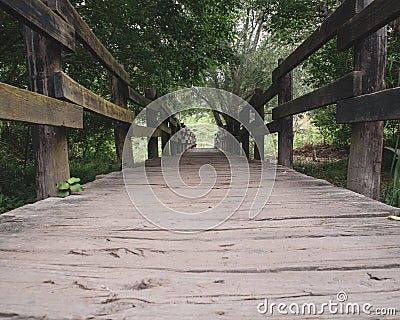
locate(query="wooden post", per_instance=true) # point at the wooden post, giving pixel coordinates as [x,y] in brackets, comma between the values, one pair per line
[165,139]
[173,144]
[151,118]
[43,57]
[285,135]
[244,134]
[119,96]
[259,154]
[180,136]
[364,172]
[164,142]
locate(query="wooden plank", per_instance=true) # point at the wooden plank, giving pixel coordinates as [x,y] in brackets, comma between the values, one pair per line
[142,101]
[68,89]
[173,121]
[164,128]
[321,36]
[88,38]
[137,98]
[383,105]
[261,99]
[140,131]
[311,241]
[257,131]
[375,16]
[40,18]
[343,88]
[273,127]
[21,105]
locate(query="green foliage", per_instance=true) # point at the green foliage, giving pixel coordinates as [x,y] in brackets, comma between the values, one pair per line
[392,192]
[325,121]
[334,172]
[66,188]
[95,140]
[202,124]
[17,184]
[292,21]
[88,169]
[161,43]
[323,67]
[12,53]
[305,132]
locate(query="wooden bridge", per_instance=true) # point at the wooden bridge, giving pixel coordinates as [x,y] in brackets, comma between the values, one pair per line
[93,256]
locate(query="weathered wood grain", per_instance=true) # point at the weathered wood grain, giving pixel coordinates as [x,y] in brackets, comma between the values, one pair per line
[273,127]
[365,158]
[138,98]
[22,105]
[345,87]
[68,89]
[321,36]
[39,17]
[88,38]
[119,96]
[151,118]
[101,259]
[139,131]
[50,144]
[383,105]
[375,16]
[285,134]
[258,100]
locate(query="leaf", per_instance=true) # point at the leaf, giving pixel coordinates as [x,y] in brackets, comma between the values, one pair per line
[73,180]
[76,187]
[63,193]
[64,185]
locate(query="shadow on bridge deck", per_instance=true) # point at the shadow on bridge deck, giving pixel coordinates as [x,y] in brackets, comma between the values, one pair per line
[92,256]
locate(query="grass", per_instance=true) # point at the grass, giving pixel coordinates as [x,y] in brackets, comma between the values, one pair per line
[88,169]
[17,184]
[334,172]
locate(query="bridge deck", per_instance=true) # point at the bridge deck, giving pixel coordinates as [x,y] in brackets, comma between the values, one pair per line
[91,256]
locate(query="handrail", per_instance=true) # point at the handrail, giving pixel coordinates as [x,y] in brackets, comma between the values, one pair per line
[375,16]
[351,27]
[359,96]
[317,39]
[62,105]
[40,18]
[87,37]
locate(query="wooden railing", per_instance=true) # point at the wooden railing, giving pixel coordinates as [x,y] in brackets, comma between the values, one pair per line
[360,95]
[57,101]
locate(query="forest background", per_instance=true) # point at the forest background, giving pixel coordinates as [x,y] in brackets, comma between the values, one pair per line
[232,45]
